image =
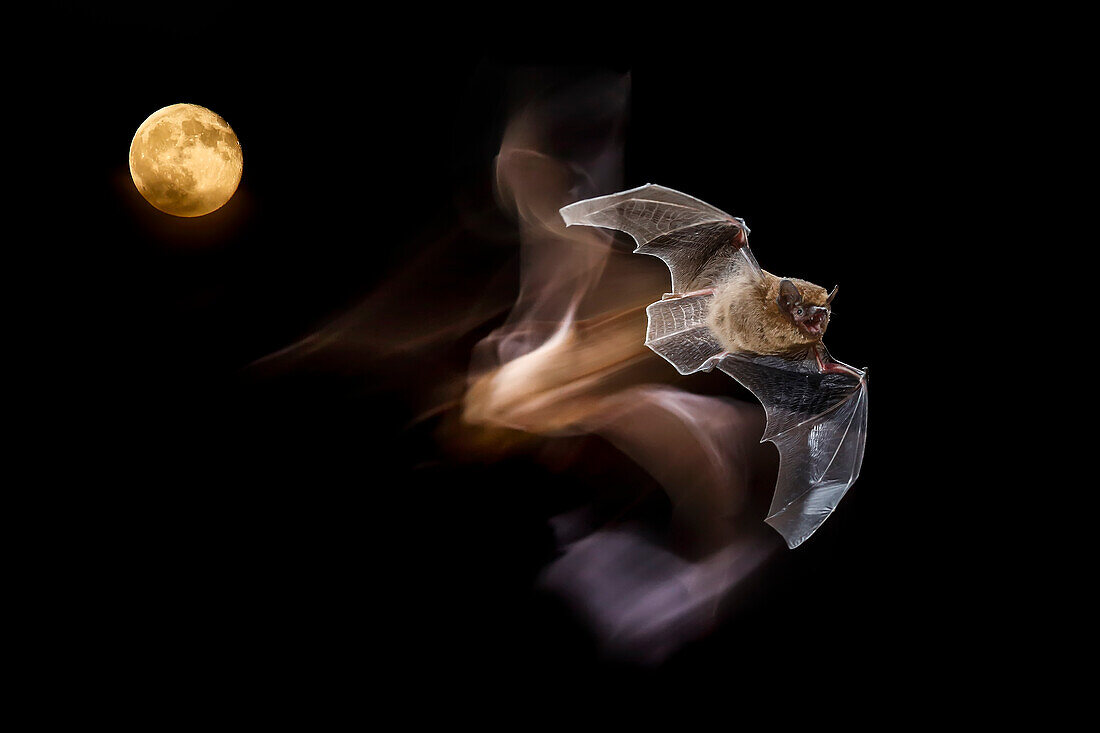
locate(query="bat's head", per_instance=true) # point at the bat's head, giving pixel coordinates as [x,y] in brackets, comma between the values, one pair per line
[806,306]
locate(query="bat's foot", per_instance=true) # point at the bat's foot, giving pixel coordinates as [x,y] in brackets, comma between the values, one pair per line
[692,294]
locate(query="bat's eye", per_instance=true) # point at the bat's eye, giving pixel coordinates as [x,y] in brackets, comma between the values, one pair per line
[799,312]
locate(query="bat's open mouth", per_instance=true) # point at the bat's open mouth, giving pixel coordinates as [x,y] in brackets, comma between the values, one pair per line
[814,324]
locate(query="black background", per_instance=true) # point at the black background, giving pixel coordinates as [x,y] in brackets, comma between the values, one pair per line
[261,537]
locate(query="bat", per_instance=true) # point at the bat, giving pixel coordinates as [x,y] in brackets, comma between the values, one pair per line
[766,332]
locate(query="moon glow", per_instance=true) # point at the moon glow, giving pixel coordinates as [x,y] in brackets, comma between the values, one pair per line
[186,160]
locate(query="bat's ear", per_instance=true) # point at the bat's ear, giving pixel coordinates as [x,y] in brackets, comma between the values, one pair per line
[789,295]
[829,300]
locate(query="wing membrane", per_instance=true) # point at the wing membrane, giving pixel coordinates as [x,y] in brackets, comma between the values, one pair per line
[819,424]
[678,332]
[698,242]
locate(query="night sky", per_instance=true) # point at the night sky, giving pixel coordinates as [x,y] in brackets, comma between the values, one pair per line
[262,532]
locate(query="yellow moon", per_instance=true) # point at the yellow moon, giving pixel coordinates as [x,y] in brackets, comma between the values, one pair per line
[185,160]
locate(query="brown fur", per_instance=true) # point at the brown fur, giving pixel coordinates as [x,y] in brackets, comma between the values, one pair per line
[746,318]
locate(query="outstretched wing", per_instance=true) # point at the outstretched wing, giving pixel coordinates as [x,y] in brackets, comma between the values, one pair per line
[699,243]
[819,424]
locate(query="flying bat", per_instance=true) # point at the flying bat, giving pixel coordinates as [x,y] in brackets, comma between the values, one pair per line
[764,331]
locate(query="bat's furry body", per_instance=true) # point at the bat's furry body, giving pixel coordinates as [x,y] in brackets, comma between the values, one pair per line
[746,318]
[762,330]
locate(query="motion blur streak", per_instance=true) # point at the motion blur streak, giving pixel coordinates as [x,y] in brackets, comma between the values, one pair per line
[545,371]
[569,359]
[644,600]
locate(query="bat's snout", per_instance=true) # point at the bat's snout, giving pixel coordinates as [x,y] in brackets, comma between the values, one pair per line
[815,320]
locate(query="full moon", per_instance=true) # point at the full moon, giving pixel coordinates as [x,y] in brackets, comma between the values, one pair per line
[185,160]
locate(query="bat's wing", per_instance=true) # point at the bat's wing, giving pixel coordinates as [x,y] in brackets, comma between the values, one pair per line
[699,243]
[819,424]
